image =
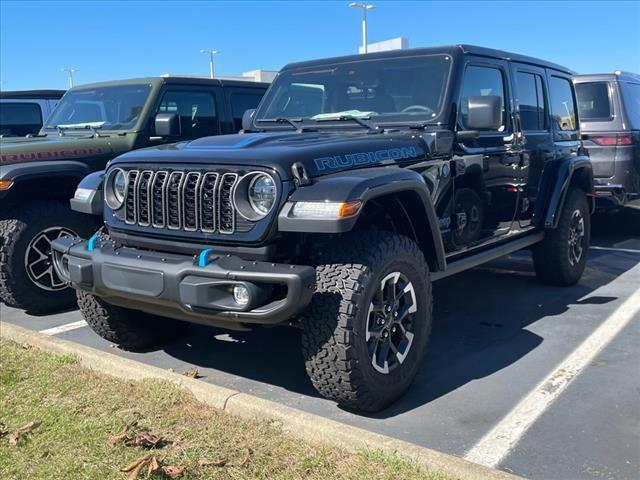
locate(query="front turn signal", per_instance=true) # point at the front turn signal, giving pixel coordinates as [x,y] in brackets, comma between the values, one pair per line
[5,184]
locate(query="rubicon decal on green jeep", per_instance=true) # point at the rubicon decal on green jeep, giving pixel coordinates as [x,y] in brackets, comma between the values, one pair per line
[356,183]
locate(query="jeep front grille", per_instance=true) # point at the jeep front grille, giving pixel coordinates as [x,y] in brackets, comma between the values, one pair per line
[189,201]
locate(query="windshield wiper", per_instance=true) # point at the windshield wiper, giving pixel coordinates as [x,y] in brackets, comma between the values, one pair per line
[61,129]
[294,122]
[362,121]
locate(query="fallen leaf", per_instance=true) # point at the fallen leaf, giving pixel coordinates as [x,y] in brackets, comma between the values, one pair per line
[245,458]
[203,462]
[114,439]
[14,437]
[174,471]
[153,465]
[146,439]
[192,373]
[135,463]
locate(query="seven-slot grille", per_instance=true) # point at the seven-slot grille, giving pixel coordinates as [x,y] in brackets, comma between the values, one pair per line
[190,201]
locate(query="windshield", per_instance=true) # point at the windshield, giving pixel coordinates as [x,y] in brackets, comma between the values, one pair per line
[108,108]
[407,89]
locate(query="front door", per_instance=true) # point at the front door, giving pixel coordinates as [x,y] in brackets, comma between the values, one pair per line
[486,168]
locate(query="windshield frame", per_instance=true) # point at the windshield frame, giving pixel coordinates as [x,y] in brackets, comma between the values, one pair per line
[138,126]
[441,117]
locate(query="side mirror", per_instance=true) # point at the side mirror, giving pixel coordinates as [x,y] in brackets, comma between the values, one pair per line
[247,119]
[485,113]
[167,125]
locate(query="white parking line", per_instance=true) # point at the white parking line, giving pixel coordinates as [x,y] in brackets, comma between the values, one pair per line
[64,328]
[614,249]
[499,441]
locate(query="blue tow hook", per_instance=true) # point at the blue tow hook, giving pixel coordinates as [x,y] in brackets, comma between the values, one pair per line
[91,244]
[203,257]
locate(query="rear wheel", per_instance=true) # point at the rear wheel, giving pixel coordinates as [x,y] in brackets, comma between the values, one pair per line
[27,277]
[369,321]
[561,257]
[129,329]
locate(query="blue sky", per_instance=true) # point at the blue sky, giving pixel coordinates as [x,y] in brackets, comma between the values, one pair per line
[107,39]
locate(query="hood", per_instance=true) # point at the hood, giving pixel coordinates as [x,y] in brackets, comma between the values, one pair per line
[54,147]
[320,153]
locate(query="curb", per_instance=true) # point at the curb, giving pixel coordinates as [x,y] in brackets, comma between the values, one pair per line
[307,426]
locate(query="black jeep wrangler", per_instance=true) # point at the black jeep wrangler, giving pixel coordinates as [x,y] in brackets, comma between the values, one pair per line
[91,125]
[356,183]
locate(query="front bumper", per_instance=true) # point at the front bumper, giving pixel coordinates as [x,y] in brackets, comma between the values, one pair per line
[187,288]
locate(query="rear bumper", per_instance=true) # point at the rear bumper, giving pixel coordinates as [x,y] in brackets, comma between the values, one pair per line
[183,287]
[613,196]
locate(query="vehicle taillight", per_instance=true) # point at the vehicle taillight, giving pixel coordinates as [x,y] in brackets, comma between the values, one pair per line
[612,140]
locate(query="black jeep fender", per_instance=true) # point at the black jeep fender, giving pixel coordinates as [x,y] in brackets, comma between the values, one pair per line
[365,184]
[40,180]
[90,201]
[556,181]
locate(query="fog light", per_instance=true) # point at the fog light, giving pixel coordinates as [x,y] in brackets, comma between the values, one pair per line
[241,295]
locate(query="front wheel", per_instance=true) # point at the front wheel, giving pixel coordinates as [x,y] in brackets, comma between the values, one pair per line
[369,320]
[561,257]
[27,277]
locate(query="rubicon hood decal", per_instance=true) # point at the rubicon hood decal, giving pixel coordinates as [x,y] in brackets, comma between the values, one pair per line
[53,148]
[364,158]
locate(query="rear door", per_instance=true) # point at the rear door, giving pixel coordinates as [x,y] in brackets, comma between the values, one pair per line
[532,118]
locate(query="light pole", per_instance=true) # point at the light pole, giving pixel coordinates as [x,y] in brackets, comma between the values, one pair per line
[364,7]
[71,72]
[211,53]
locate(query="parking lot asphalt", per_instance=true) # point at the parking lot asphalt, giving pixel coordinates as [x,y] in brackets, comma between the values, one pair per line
[497,334]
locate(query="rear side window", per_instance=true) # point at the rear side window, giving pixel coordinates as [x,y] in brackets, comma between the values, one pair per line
[631,99]
[19,119]
[480,82]
[533,112]
[563,108]
[197,111]
[240,103]
[593,101]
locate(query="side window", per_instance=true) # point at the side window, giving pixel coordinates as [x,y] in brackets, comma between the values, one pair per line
[240,103]
[563,108]
[631,98]
[19,119]
[593,101]
[480,82]
[197,111]
[533,112]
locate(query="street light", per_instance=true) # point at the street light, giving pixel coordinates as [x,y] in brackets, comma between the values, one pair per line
[211,53]
[364,7]
[71,72]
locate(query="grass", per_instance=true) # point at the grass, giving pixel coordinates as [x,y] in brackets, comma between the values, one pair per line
[80,409]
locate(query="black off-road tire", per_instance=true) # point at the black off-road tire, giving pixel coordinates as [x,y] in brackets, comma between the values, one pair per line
[129,329]
[333,341]
[17,230]
[551,257]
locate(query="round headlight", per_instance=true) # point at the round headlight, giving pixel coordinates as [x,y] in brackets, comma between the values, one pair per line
[119,185]
[115,188]
[262,193]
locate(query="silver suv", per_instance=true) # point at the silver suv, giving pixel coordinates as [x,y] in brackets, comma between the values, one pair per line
[609,109]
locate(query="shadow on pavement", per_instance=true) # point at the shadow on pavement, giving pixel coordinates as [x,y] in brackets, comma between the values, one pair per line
[480,321]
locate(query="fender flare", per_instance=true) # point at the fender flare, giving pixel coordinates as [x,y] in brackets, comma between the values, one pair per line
[558,181]
[29,170]
[361,184]
[88,197]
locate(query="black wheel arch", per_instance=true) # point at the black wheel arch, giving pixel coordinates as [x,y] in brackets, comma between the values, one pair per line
[558,178]
[391,189]
[34,181]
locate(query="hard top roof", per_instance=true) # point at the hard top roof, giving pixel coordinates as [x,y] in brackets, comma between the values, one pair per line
[453,50]
[175,81]
[32,94]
